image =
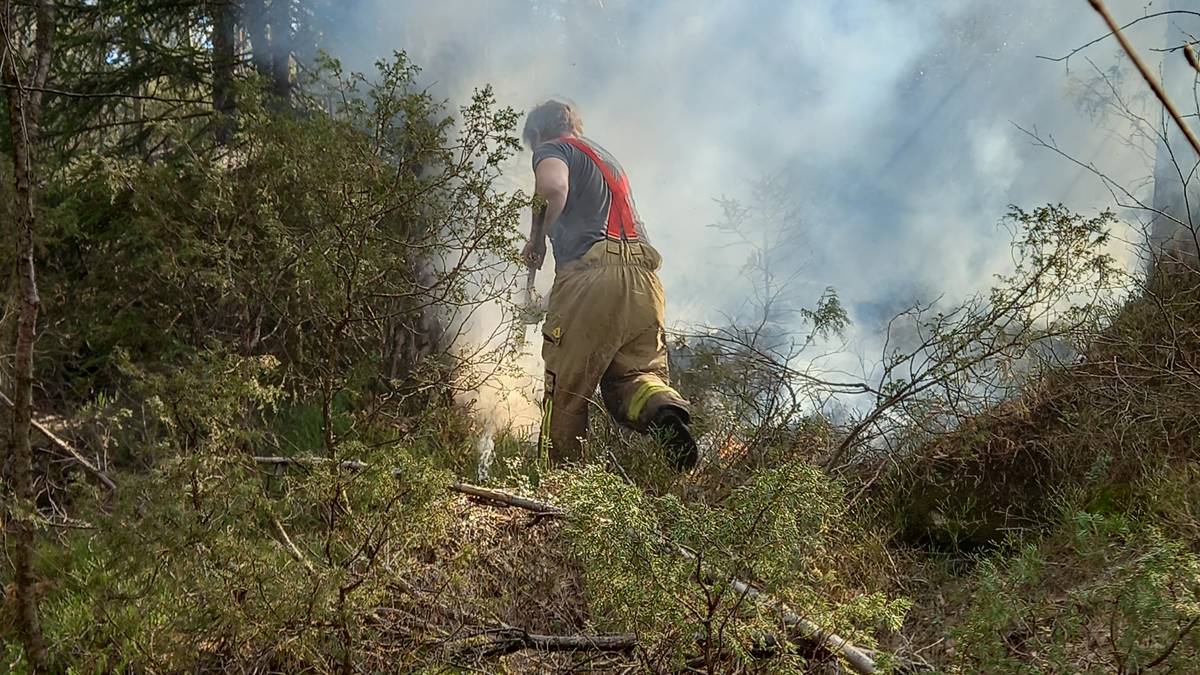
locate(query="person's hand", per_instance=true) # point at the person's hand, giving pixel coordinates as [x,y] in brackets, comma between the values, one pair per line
[534,254]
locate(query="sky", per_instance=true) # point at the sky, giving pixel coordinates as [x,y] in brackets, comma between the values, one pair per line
[894,121]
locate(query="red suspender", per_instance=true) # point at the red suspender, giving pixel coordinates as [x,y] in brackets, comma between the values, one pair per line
[620,211]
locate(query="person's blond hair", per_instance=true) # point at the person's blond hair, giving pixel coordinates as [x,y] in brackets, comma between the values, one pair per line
[551,120]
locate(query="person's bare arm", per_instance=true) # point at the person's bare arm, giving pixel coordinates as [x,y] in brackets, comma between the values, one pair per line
[551,183]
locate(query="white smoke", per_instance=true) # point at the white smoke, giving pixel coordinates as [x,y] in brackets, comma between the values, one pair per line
[509,399]
[897,118]
[485,449]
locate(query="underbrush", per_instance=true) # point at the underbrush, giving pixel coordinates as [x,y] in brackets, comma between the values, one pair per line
[1102,593]
[207,559]
[1058,531]
[1096,432]
[224,564]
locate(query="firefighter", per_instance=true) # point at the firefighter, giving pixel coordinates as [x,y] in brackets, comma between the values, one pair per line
[605,315]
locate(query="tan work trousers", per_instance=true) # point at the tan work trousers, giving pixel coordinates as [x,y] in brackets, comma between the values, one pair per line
[604,326]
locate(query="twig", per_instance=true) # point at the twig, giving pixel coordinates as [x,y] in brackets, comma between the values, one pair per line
[1107,35]
[84,94]
[66,447]
[1171,647]
[124,123]
[353,465]
[1098,5]
[70,524]
[492,497]
[291,547]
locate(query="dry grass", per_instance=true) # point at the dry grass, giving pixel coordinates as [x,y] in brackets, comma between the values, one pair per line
[1082,433]
[492,569]
[1116,433]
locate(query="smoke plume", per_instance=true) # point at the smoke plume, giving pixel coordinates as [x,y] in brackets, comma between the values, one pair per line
[896,122]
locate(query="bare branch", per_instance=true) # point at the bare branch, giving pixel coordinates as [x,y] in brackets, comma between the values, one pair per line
[1138,20]
[1098,5]
[83,94]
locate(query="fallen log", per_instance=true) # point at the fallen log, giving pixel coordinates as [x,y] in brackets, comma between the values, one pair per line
[504,641]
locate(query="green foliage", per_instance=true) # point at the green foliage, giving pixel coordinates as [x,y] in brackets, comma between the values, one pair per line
[299,294]
[1127,602]
[175,586]
[214,403]
[207,557]
[13,658]
[350,243]
[776,530]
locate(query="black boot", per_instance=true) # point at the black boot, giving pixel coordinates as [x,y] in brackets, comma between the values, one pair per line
[670,423]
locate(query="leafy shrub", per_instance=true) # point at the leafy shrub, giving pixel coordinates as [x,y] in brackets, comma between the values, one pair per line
[1108,594]
[776,530]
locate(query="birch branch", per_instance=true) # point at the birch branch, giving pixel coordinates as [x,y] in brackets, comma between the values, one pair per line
[1098,5]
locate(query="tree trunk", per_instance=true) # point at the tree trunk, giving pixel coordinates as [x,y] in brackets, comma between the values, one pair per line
[255,17]
[224,45]
[305,35]
[24,109]
[1174,236]
[281,49]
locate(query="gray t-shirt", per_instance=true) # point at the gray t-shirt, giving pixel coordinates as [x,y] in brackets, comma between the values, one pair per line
[584,219]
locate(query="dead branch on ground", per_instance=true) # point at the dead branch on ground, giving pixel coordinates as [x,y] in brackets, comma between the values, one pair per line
[68,448]
[507,640]
[513,639]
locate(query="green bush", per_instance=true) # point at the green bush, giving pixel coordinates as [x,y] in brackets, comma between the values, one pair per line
[786,530]
[1106,594]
